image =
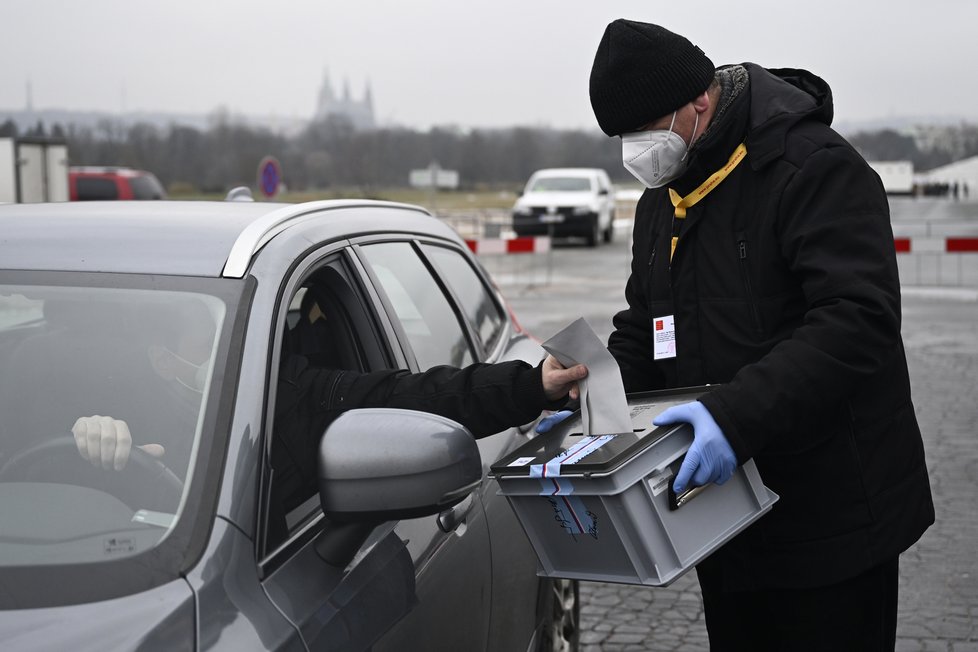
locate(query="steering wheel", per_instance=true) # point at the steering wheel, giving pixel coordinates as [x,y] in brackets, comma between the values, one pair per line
[144,483]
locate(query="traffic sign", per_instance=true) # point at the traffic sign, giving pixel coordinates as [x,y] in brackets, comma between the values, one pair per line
[269,176]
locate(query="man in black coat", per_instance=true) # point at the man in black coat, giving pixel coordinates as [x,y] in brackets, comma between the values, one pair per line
[763,262]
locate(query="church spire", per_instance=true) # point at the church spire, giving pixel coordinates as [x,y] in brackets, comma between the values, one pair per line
[360,113]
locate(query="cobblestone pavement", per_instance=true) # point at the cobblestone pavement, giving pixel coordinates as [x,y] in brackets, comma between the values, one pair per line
[938,609]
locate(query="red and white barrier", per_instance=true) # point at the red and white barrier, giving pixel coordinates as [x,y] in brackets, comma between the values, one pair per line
[904,245]
[937,259]
[525,245]
[936,245]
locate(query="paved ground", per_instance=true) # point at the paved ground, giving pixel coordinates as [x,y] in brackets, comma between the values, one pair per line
[939,575]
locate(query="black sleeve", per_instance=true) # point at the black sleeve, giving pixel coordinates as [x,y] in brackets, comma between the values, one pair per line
[485,398]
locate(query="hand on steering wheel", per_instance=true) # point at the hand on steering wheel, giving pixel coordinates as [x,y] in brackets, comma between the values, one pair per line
[106,442]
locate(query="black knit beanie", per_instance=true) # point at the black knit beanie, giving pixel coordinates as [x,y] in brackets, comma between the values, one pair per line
[642,72]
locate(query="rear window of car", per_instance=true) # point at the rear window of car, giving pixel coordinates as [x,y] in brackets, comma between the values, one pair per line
[426,315]
[95,188]
[561,184]
[476,301]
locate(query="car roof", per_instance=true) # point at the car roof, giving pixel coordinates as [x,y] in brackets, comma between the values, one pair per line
[567,172]
[195,238]
[101,171]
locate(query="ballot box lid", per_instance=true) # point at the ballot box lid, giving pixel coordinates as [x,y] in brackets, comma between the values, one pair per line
[598,454]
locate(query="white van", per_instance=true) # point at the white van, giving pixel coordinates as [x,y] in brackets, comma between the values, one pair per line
[567,202]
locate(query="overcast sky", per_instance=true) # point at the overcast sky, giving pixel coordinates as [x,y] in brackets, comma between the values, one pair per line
[466,62]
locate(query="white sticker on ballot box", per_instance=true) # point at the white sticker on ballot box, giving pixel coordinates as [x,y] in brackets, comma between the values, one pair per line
[659,482]
[664,337]
[521,461]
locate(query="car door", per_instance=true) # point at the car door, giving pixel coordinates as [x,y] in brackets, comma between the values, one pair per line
[515,587]
[454,583]
[335,609]
[446,605]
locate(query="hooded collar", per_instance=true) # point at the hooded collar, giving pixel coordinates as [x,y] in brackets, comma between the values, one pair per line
[781,98]
[760,113]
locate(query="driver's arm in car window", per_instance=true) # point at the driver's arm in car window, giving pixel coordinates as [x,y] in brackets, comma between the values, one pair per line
[485,398]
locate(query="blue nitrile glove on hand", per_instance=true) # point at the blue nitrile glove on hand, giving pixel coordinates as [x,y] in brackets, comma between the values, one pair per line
[710,458]
[548,422]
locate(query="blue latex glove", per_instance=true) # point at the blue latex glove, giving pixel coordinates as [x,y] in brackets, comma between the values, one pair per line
[548,422]
[710,458]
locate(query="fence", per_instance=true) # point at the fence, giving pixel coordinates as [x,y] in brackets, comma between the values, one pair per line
[937,253]
[526,261]
[511,260]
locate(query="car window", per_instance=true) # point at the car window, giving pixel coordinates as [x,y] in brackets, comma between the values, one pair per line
[141,359]
[327,326]
[146,187]
[561,184]
[426,316]
[476,299]
[95,188]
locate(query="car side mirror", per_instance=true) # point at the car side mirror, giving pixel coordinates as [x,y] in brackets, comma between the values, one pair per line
[383,464]
[603,191]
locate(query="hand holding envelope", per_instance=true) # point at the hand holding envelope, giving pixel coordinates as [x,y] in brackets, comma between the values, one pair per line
[604,409]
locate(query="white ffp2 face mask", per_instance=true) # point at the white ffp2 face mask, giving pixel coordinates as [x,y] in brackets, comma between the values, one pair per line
[655,157]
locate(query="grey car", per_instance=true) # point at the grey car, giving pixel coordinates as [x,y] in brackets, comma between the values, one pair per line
[171,318]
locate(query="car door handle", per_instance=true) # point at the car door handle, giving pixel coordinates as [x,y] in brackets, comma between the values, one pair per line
[450,519]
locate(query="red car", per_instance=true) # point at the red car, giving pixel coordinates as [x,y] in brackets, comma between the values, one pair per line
[100,183]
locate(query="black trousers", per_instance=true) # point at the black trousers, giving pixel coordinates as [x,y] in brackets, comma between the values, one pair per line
[857,615]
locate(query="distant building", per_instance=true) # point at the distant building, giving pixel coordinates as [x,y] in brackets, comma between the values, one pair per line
[360,113]
[897,176]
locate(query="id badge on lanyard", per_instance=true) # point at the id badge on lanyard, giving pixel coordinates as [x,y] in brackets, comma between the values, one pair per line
[664,337]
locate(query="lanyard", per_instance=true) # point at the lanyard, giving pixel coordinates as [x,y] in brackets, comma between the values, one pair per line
[682,203]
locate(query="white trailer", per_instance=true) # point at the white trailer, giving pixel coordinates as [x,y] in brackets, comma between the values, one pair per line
[897,176]
[33,170]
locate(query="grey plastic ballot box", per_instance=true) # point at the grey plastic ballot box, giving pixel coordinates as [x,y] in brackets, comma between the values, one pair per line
[602,507]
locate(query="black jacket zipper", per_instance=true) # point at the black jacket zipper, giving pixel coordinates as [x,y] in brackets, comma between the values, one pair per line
[745,276]
[650,287]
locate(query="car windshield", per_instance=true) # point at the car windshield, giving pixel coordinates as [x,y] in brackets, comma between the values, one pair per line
[561,184]
[83,370]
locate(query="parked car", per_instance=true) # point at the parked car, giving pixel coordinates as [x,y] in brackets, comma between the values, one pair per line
[416,551]
[567,202]
[92,183]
